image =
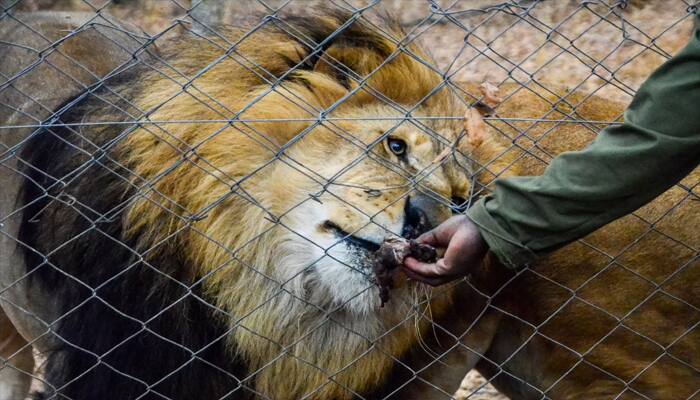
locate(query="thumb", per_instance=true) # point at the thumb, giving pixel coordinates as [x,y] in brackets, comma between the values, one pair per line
[427,270]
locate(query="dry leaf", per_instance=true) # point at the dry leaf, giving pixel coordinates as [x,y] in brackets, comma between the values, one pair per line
[475,127]
[473,122]
[490,93]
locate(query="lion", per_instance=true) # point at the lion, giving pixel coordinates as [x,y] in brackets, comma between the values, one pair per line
[204,224]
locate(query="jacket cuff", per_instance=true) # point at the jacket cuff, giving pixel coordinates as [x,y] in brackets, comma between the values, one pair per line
[509,250]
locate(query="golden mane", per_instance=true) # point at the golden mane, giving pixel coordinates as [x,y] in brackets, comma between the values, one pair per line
[198,177]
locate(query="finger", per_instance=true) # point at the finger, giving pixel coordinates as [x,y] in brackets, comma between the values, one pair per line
[428,238]
[428,270]
[436,270]
[432,281]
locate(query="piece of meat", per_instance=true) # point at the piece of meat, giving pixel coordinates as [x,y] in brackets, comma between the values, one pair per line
[391,255]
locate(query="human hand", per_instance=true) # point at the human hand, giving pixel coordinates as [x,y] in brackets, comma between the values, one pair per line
[465,250]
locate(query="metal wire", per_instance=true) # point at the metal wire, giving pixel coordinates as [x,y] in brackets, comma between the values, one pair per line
[601,42]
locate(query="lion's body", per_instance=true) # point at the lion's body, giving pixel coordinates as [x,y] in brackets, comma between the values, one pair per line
[165,240]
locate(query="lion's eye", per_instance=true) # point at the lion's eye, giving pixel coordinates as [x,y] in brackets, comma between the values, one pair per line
[397,146]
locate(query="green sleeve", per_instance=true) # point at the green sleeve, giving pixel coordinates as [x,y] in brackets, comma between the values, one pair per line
[624,168]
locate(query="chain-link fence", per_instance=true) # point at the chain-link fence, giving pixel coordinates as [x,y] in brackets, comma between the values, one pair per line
[193,193]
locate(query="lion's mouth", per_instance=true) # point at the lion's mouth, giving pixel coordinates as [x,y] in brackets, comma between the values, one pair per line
[352,240]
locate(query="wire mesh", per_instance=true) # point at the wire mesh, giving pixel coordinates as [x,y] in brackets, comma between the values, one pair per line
[192,191]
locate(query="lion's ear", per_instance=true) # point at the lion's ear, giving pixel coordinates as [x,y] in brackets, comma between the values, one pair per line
[334,64]
[336,44]
[353,52]
[383,70]
[354,55]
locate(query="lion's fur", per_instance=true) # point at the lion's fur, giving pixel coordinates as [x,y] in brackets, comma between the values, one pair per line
[223,206]
[197,181]
[14,351]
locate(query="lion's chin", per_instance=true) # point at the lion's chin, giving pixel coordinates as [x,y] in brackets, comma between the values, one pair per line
[354,293]
[336,276]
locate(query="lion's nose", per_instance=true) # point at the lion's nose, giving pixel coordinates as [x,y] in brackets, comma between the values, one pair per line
[415,221]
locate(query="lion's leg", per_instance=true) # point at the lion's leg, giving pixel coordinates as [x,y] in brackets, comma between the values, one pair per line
[16,362]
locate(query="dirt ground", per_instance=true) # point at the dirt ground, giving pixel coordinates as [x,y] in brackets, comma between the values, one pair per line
[592,47]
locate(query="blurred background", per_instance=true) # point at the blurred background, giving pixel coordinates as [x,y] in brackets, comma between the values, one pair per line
[600,47]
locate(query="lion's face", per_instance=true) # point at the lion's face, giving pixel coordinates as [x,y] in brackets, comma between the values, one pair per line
[279,214]
[348,185]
